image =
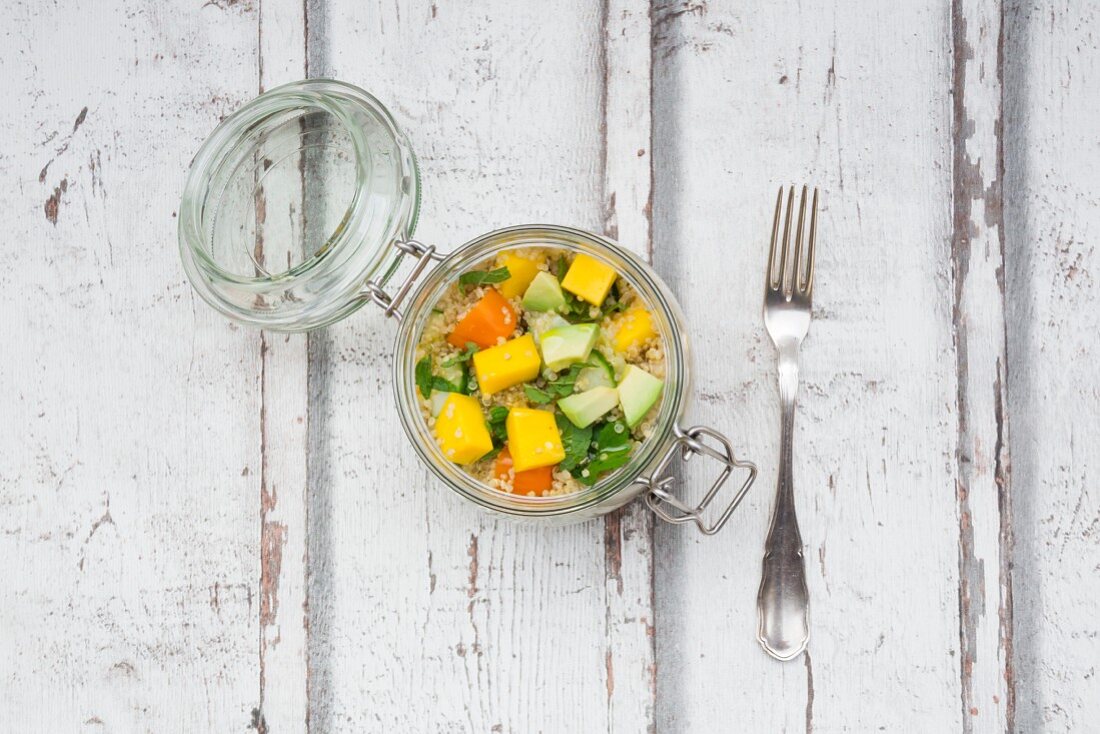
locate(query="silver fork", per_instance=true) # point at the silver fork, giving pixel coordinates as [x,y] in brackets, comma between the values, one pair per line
[783,602]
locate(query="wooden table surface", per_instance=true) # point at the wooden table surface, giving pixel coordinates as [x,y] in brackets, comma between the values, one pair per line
[207,528]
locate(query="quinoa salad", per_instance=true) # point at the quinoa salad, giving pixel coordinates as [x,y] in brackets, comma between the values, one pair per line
[540,371]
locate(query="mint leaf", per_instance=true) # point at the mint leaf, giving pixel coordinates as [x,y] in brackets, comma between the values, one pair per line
[498,414]
[424,376]
[574,440]
[463,356]
[611,449]
[483,277]
[537,395]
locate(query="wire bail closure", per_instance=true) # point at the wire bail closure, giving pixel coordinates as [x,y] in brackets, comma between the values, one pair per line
[373,289]
[688,443]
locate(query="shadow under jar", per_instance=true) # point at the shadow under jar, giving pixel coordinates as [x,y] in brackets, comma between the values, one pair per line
[300,208]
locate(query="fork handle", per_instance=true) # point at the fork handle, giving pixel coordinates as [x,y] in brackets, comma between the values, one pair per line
[783,602]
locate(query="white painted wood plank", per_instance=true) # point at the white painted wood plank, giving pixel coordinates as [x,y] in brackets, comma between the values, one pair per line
[985,594]
[284,375]
[1052,73]
[631,654]
[131,462]
[852,97]
[433,616]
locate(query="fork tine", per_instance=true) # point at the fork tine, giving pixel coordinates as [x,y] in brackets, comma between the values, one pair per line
[784,268]
[796,264]
[808,288]
[773,281]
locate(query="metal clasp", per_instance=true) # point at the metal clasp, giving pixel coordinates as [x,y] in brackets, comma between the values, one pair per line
[424,255]
[688,443]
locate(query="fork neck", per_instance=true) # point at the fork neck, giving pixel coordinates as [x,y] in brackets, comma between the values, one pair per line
[788,379]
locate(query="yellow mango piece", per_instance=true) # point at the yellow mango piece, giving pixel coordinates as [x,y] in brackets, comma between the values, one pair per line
[634,327]
[500,367]
[589,279]
[522,271]
[533,438]
[461,430]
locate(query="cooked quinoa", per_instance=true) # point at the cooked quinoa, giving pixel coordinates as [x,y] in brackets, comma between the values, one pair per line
[458,302]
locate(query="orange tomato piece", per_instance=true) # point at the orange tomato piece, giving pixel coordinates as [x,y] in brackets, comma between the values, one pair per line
[491,318]
[533,480]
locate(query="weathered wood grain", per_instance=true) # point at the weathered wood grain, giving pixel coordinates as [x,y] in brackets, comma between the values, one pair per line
[284,414]
[1051,218]
[985,590]
[129,416]
[631,674]
[435,616]
[853,97]
[160,468]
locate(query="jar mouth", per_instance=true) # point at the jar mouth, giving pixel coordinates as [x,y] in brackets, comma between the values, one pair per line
[636,272]
[292,203]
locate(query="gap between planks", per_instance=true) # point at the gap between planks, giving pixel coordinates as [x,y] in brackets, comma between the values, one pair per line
[977,253]
[283,654]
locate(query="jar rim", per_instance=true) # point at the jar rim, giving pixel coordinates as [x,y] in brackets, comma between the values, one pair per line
[652,289]
[349,247]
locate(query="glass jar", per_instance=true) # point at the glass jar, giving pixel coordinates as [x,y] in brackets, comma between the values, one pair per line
[341,179]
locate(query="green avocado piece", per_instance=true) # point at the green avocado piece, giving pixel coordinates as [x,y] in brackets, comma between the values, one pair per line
[543,294]
[585,408]
[638,392]
[541,323]
[567,345]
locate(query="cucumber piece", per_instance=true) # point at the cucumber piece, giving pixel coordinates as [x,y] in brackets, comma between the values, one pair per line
[601,374]
[437,399]
[455,374]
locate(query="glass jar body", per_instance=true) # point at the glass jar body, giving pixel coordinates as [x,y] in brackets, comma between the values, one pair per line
[620,486]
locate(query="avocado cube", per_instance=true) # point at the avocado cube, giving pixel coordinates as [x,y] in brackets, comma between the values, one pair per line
[544,293]
[585,408]
[638,392]
[567,345]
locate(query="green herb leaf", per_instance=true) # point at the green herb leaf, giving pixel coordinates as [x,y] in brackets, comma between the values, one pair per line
[498,414]
[483,277]
[463,356]
[493,453]
[563,266]
[424,376]
[438,383]
[611,449]
[537,395]
[467,383]
[566,382]
[575,442]
[612,436]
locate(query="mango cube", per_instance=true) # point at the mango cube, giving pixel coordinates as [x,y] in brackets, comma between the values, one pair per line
[461,430]
[507,364]
[522,271]
[589,279]
[634,328]
[533,438]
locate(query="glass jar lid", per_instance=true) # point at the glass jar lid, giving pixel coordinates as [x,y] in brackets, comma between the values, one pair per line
[293,203]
